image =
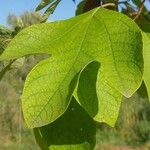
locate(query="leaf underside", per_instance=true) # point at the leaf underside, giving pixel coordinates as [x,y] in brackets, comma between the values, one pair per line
[146,53]
[75,129]
[100,35]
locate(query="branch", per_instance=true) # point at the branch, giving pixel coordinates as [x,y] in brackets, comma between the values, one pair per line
[139,11]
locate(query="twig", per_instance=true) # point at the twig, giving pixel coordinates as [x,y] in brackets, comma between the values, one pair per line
[108,4]
[139,11]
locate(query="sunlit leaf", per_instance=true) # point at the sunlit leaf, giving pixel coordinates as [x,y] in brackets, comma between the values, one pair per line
[101,35]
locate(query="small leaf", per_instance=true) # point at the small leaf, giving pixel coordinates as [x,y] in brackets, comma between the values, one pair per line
[50,10]
[80,7]
[43,4]
[74,130]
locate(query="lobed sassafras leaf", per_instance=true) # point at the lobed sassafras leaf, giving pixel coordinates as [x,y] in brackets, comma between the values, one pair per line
[50,10]
[101,35]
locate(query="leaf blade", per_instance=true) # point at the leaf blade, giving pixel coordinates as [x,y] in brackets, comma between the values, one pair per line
[103,36]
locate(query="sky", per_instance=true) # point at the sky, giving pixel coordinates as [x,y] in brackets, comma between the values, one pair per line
[66,9]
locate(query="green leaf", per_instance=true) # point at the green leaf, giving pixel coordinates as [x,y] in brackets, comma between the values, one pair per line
[103,106]
[146,53]
[74,130]
[52,4]
[50,10]
[101,35]
[142,91]
[109,101]
[43,4]
[80,7]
